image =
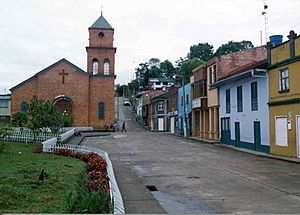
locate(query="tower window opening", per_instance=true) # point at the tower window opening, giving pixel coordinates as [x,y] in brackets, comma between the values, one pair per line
[101,35]
[106,67]
[95,66]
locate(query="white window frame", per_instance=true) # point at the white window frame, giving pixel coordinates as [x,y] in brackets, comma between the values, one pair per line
[106,67]
[286,78]
[160,106]
[297,136]
[4,103]
[95,67]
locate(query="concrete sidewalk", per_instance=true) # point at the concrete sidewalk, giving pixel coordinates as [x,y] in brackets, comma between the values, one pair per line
[217,143]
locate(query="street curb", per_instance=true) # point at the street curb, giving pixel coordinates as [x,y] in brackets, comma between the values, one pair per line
[262,154]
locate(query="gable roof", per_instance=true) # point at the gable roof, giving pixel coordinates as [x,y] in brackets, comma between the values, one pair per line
[77,69]
[102,23]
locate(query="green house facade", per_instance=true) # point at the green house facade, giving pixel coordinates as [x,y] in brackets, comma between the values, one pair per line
[5,108]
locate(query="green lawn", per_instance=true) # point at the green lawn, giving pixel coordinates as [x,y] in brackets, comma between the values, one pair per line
[20,189]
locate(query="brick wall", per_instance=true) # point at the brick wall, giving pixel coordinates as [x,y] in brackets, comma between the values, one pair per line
[102,90]
[96,41]
[48,85]
[227,63]
[100,54]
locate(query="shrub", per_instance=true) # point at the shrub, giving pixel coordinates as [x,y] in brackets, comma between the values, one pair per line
[94,197]
[88,202]
[4,131]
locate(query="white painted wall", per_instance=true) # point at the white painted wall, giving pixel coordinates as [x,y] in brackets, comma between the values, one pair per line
[139,106]
[247,117]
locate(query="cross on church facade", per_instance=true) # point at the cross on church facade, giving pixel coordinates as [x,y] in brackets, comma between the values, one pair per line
[63,73]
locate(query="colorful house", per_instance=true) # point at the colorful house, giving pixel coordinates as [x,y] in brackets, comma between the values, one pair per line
[173,108]
[200,120]
[284,96]
[184,99]
[139,105]
[146,104]
[217,67]
[5,106]
[159,113]
[243,94]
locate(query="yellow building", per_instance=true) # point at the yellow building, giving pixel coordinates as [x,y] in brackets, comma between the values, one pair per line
[284,97]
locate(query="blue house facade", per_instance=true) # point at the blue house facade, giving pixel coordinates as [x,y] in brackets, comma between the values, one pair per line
[188,109]
[244,117]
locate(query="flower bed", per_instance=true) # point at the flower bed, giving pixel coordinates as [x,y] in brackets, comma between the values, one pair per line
[96,181]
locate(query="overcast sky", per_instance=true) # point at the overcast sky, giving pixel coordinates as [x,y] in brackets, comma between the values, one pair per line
[36,33]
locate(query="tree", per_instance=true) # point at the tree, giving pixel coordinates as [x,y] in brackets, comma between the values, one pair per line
[43,114]
[53,118]
[187,66]
[203,51]
[232,47]
[36,114]
[154,72]
[67,119]
[19,119]
[142,74]
[167,69]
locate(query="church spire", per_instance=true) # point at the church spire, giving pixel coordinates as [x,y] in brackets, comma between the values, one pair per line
[102,23]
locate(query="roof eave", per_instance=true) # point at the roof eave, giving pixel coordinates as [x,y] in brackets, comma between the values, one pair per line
[239,76]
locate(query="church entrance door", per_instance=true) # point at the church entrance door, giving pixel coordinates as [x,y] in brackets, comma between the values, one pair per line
[65,105]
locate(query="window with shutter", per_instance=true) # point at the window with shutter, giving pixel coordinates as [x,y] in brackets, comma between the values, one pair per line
[254,100]
[228,101]
[239,99]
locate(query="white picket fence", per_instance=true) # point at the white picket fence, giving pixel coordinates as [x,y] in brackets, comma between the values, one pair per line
[50,146]
[29,136]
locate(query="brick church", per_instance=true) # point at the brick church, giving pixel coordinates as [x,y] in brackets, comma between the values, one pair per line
[87,95]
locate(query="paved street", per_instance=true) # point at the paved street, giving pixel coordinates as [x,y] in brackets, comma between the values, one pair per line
[193,177]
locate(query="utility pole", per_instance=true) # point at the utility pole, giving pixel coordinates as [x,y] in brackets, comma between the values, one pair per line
[123,89]
[264,13]
[118,114]
[184,108]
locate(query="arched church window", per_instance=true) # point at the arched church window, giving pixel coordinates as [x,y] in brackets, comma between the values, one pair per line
[106,66]
[95,66]
[24,107]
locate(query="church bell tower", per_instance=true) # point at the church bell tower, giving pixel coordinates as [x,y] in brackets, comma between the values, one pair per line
[101,70]
[100,52]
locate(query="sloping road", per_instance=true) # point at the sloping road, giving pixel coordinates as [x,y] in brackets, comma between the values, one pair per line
[193,177]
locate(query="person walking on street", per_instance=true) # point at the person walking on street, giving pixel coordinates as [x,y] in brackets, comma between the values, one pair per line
[123,127]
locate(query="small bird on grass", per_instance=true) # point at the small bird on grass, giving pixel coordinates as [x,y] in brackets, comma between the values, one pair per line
[42,176]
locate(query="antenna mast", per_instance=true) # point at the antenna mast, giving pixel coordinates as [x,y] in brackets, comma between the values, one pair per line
[264,13]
